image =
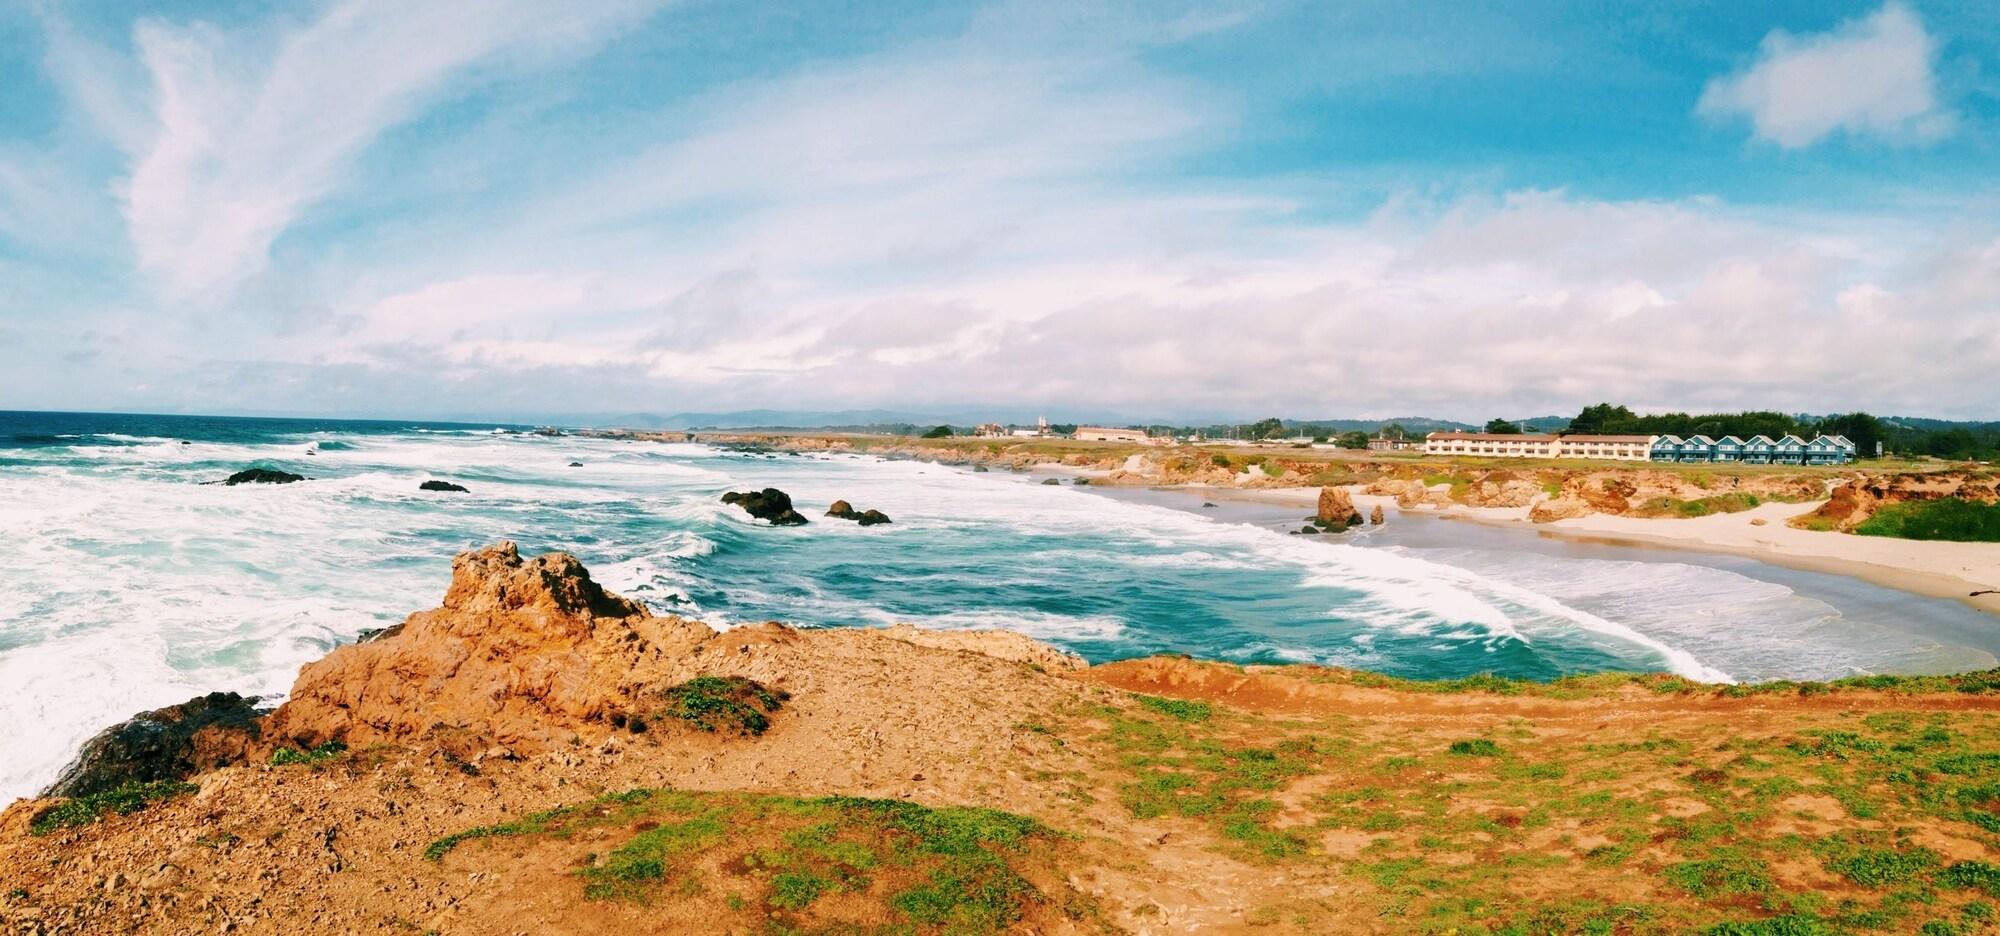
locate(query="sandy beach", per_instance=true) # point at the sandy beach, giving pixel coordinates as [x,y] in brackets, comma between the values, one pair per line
[1925,567]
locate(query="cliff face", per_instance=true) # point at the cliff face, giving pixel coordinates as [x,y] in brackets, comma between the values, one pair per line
[1854,501]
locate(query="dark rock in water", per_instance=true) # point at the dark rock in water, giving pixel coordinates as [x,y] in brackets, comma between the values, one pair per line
[263,476]
[979,468]
[1206,504]
[576,464]
[768,504]
[1051,481]
[1311,531]
[846,511]
[371,634]
[178,741]
[1080,482]
[442,486]
[186,442]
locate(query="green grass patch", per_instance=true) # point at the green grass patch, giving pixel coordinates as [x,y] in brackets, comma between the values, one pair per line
[1727,874]
[1475,747]
[314,757]
[959,869]
[1945,519]
[127,799]
[1179,709]
[1698,507]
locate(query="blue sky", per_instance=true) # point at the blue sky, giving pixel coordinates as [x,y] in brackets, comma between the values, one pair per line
[508,208]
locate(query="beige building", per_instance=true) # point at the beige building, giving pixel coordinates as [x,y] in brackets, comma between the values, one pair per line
[1616,447]
[1101,434]
[1500,445]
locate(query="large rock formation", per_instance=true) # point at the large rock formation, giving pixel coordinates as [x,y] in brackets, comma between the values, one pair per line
[164,744]
[443,487]
[768,504]
[520,654]
[1411,492]
[1336,509]
[1561,508]
[1502,489]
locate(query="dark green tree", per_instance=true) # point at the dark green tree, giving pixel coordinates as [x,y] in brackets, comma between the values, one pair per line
[939,432]
[1603,418]
[1860,428]
[1502,427]
[1265,429]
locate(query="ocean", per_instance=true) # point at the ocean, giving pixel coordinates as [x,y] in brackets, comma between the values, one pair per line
[129,584]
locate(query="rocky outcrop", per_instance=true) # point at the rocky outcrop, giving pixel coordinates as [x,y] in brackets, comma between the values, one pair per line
[1336,509]
[262,476]
[521,653]
[1502,489]
[846,511]
[1410,492]
[1561,508]
[171,743]
[1375,516]
[443,486]
[768,504]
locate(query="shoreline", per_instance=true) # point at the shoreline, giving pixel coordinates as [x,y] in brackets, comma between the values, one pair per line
[1912,566]
[1904,565]
[1928,568]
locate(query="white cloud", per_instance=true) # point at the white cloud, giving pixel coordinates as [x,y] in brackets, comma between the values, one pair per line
[1869,77]
[977,219]
[247,137]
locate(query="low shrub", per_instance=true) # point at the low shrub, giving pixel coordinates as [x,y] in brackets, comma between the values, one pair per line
[315,756]
[725,704]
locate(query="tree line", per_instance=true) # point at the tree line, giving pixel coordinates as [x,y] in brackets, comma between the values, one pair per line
[1957,441]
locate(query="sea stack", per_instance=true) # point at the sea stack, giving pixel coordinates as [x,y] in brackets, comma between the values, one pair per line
[1336,509]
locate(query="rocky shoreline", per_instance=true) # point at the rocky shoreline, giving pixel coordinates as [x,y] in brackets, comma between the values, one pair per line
[1549,493]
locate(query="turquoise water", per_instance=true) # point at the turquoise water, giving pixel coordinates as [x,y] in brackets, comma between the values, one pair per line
[132,585]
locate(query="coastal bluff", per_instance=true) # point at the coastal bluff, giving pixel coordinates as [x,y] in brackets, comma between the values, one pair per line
[539,754]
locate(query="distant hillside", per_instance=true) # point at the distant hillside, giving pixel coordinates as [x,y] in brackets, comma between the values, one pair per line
[1417,425]
[774,419]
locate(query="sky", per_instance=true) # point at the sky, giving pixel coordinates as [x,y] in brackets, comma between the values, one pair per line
[1165,210]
